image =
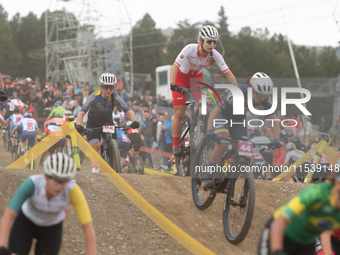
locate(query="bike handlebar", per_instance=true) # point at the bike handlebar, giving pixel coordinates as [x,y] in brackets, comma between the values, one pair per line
[89,130]
[175,87]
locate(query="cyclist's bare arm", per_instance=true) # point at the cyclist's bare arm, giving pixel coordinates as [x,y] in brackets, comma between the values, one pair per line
[14,129]
[231,78]
[277,232]
[173,73]
[275,127]
[131,115]
[325,239]
[213,115]
[142,138]
[80,118]
[90,237]
[6,225]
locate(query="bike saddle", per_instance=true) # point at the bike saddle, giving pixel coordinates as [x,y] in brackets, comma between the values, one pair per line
[244,138]
[190,102]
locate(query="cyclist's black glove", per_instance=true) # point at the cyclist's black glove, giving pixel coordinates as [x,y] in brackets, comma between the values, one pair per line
[134,124]
[5,251]
[3,96]
[211,135]
[175,87]
[278,253]
[80,129]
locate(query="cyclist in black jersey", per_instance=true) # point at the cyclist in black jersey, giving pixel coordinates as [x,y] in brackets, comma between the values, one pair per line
[262,86]
[100,107]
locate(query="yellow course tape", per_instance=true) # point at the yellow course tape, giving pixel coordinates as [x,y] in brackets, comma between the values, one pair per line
[178,234]
[309,155]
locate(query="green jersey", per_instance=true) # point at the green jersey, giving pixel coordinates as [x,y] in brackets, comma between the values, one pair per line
[58,110]
[310,213]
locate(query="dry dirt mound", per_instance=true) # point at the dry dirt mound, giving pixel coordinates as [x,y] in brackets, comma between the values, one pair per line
[122,228]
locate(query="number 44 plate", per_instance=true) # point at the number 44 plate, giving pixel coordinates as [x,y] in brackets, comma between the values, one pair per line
[109,129]
[245,148]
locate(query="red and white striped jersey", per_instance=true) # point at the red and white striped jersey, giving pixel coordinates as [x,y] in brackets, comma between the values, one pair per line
[19,103]
[190,61]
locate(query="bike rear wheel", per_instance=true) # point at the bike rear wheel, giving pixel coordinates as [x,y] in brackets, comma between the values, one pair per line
[202,198]
[128,168]
[42,160]
[114,156]
[81,155]
[139,165]
[5,140]
[14,151]
[7,137]
[239,205]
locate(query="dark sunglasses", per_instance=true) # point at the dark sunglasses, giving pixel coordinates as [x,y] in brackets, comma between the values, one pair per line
[211,42]
[107,87]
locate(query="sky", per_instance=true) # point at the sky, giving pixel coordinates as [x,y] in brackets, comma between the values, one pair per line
[306,22]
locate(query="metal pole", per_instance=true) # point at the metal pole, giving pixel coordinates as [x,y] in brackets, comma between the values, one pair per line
[293,58]
[131,61]
[46,43]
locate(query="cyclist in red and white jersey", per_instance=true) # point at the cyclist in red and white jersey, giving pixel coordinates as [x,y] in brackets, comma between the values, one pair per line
[187,70]
[19,103]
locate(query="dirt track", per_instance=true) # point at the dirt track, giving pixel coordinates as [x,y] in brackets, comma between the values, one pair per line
[122,228]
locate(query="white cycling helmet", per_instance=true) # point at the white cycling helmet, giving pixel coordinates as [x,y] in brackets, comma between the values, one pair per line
[108,79]
[290,146]
[67,113]
[208,33]
[28,115]
[262,83]
[60,166]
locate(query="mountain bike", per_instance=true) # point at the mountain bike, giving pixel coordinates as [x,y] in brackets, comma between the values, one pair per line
[30,162]
[137,162]
[60,146]
[15,148]
[194,127]
[109,147]
[6,136]
[236,182]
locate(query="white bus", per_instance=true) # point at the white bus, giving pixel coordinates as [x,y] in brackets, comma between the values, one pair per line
[163,81]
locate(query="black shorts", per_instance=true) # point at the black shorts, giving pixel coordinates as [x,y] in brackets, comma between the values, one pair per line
[23,231]
[96,135]
[60,143]
[136,141]
[236,126]
[289,246]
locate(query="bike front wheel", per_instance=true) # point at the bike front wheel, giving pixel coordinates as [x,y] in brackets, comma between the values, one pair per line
[114,156]
[239,205]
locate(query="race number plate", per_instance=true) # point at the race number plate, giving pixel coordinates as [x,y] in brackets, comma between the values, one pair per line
[245,148]
[109,129]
